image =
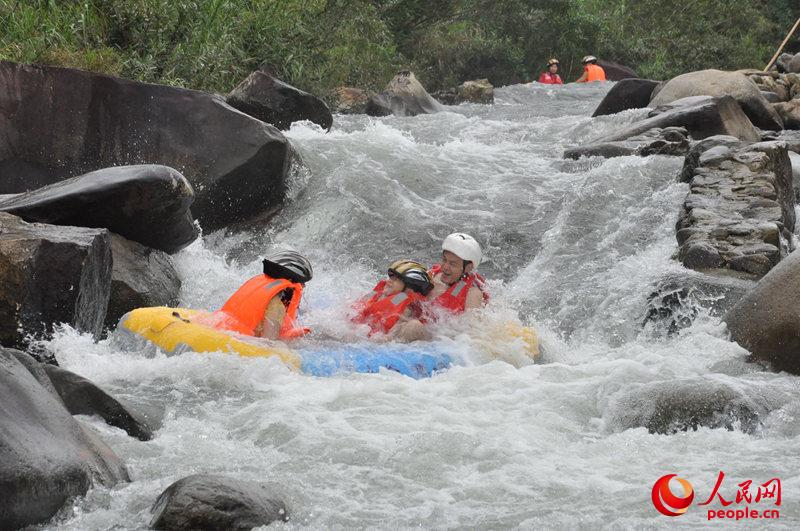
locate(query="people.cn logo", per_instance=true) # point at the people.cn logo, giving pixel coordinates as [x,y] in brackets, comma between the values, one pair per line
[666,502]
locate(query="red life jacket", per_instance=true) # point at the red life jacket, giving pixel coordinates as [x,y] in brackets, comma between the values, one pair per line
[244,310]
[455,297]
[381,312]
[550,79]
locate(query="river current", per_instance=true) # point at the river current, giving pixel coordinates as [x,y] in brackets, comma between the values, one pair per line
[573,248]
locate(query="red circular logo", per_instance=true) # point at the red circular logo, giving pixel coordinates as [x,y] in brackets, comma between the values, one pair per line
[666,502]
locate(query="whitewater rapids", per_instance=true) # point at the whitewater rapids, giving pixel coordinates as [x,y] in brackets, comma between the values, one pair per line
[572,248]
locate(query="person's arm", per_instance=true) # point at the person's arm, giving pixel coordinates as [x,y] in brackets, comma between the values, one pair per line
[273,319]
[582,79]
[474,299]
[559,81]
[543,78]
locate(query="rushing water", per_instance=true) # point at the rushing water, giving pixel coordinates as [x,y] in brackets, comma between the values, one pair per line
[572,248]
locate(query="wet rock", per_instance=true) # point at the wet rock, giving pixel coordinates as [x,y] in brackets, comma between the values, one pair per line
[216,502]
[51,274]
[739,213]
[350,100]
[403,96]
[82,397]
[46,456]
[773,97]
[140,277]
[793,65]
[765,321]
[627,94]
[667,141]
[73,122]
[719,83]
[688,404]
[615,71]
[146,203]
[278,103]
[476,91]
[789,113]
[677,300]
[794,158]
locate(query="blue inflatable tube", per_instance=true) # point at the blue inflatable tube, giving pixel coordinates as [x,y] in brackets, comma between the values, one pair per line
[415,363]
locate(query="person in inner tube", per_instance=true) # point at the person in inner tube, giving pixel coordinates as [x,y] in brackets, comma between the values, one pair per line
[456,285]
[266,305]
[393,306]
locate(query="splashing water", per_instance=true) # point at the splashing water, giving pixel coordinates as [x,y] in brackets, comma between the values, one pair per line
[572,248]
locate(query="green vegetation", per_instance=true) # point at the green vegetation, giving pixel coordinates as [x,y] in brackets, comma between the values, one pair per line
[320,44]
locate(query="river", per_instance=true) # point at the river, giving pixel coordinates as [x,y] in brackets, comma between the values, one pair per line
[573,248]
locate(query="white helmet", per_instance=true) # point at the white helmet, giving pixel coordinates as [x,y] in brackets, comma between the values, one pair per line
[463,246]
[589,59]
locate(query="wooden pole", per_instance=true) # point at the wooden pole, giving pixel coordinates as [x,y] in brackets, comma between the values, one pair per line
[780,49]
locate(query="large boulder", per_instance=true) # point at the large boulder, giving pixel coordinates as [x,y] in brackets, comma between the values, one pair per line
[719,83]
[403,96]
[765,321]
[50,275]
[627,94]
[789,112]
[72,122]
[140,277]
[783,61]
[739,213]
[205,501]
[148,204]
[677,405]
[615,71]
[278,103]
[667,141]
[46,456]
[82,397]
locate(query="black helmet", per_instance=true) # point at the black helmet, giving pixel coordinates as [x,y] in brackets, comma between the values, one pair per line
[418,280]
[290,265]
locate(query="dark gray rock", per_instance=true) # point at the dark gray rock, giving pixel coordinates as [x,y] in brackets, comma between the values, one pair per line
[718,83]
[765,321]
[278,103]
[140,277]
[82,397]
[667,141]
[717,146]
[627,94]
[687,404]
[73,122]
[772,97]
[474,91]
[615,71]
[789,112]
[349,100]
[46,456]
[147,203]
[49,275]
[677,300]
[216,502]
[739,213]
[403,96]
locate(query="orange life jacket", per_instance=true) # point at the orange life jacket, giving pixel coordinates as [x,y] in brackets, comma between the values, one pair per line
[244,310]
[594,73]
[455,297]
[381,312]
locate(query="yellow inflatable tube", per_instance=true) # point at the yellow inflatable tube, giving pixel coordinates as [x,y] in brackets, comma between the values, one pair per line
[173,331]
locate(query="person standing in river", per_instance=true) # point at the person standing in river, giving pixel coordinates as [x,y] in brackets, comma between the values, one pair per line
[591,70]
[550,76]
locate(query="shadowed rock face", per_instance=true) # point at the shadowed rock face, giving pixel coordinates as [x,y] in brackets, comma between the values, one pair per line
[216,502]
[667,141]
[50,275]
[739,213]
[615,71]
[765,321]
[71,122]
[46,456]
[719,83]
[147,203]
[271,100]
[403,96]
[140,277]
[626,94]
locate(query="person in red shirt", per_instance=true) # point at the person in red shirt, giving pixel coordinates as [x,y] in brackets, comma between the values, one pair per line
[550,76]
